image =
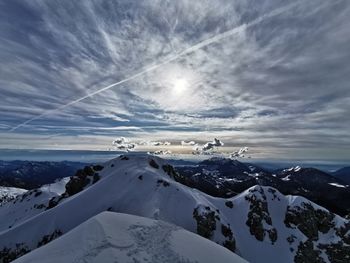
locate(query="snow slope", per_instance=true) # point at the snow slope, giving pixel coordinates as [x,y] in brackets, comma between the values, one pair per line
[114,237]
[26,204]
[260,224]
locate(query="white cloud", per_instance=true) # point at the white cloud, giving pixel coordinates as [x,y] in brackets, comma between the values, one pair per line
[239,153]
[159,143]
[188,143]
[154,143]
[211,145]
[268,76]
[208,148]
[160,152]
[123,144]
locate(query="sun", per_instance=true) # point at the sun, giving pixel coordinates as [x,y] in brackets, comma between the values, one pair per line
[180,86]
[175,87]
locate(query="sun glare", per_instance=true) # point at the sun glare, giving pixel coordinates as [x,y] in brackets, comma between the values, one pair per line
[180,86]
[175,88]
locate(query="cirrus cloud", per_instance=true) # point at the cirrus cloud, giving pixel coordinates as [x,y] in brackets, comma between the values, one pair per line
[280,82]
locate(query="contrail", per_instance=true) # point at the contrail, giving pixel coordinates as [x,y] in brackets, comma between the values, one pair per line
[174,57]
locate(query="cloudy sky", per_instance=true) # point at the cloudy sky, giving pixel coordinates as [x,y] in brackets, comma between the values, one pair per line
[272,75]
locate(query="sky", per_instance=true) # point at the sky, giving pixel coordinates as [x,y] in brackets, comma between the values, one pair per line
[270,75]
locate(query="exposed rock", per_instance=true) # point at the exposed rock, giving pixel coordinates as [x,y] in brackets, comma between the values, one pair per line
[274,194]
[312,221]
[257,214]
[40,206]
[229,204]
[206,222]
[123,157]
[272,235]
[309,220]
[170,170]
[54,201]
[96,178]
[153,164]
[162,182]
[306,253]
[226,231]
[97,167]
[48,238]
[167,168]
[337,253]
[230,242]
[291,239]
[37,193]
[77,183]
[82,178]
[9,254]
[344,232]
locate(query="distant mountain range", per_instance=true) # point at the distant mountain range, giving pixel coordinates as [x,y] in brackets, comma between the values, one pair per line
[260,224]
[216,176]
[32,174]
[343,174]
[226,178]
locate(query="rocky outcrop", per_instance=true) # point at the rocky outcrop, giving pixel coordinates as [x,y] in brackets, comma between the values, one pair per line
[313,222]
[153,164]
[229,204]
[308,220]
[207,222]
[77,183]
[9,254]
[307,253]
[258,216]
[48,238]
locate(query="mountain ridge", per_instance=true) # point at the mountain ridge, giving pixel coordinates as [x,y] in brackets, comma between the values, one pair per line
[260,224]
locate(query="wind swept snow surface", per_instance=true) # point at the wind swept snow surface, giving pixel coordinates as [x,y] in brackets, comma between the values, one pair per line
[113,237]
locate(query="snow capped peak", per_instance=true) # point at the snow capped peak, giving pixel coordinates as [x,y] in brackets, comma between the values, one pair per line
[297,168]
[293,169]
[9,193]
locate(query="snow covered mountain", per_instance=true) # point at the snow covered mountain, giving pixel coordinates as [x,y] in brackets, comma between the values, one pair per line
[32,174]
[260,224]
[27,204]
[225,178]
[343,174]
[9,193]
[114,237]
